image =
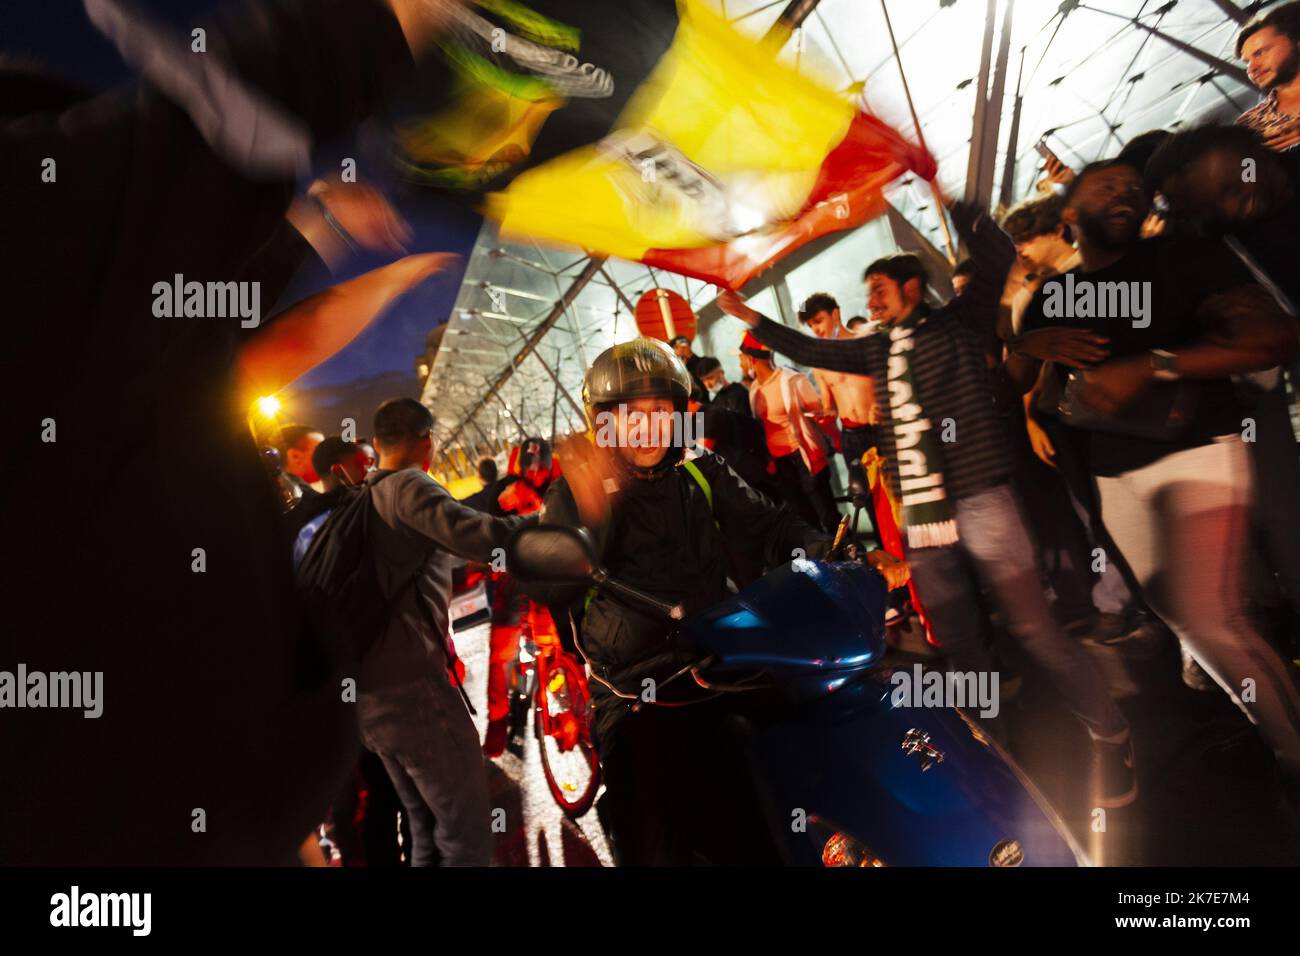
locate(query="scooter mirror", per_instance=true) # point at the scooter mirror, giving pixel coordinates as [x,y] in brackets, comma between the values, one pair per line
[551,553]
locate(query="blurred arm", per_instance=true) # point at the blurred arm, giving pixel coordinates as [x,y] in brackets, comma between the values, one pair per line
[311,331]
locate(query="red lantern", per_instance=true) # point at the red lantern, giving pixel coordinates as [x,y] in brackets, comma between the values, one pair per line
[663,314]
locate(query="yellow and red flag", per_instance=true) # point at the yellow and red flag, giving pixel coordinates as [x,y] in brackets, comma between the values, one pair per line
[722,162]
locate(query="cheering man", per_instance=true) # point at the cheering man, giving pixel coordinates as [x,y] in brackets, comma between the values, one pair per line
[947,460]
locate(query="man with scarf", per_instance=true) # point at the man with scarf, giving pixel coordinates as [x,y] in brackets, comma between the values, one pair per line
[948,466]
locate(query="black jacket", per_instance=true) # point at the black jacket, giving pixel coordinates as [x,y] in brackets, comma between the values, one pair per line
[737,436]
[215,696]
[735,397]
[662,538]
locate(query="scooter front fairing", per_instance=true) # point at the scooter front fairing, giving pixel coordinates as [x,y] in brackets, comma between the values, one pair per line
[839,761]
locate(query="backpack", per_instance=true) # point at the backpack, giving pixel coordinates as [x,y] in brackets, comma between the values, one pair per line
[339,585]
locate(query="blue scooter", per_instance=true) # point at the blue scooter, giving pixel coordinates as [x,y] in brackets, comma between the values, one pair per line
[848,777]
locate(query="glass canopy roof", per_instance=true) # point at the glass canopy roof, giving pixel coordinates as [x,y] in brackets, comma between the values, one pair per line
[1088,77]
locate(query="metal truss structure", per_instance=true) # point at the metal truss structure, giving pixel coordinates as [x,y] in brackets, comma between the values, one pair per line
[987,78]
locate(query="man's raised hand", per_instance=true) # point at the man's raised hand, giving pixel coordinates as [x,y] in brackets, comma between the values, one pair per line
[589,473]
[731,303]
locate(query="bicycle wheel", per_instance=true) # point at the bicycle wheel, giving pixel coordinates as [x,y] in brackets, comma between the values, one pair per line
[563,727]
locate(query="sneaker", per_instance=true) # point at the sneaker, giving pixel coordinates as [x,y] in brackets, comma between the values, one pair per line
[1114,779]
[494,745]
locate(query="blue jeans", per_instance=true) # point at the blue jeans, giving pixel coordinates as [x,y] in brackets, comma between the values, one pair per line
[430,748]
[995,549]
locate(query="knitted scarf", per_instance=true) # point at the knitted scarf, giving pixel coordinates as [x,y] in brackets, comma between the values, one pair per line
[928,515]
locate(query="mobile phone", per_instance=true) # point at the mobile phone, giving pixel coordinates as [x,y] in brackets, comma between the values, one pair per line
[1044,150]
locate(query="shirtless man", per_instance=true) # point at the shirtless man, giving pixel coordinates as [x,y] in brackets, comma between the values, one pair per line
[786,405]
[850,397]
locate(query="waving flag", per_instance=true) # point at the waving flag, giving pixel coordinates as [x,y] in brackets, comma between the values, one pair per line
[723,162]
[519,82]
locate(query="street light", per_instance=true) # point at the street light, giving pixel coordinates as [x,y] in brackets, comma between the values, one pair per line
[268,406]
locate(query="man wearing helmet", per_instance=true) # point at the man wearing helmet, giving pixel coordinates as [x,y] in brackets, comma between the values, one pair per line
[667,527]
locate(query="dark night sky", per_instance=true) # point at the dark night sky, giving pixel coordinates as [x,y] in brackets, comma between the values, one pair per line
[57,34]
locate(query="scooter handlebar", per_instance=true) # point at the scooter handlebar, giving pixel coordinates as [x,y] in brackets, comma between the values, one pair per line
[674,612]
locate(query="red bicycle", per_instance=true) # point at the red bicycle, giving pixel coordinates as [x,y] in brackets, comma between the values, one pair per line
[554,682]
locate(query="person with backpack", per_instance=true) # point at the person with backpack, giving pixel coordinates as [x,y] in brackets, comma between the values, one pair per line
[667,526]
[341,465]
[404,532]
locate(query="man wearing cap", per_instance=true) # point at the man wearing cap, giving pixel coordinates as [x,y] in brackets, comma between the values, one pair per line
[732,432]
[731,395]
[682,347]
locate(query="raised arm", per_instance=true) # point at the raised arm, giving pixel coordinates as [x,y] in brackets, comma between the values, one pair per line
[326,65]
[425,507]
[993,253]
[312,330]
[836,355]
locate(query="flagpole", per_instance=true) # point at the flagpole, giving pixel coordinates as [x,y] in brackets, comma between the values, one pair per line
[916,121]
[791,18]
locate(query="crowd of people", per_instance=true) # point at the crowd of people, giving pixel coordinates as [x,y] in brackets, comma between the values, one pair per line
[1145,358]
[1092,440]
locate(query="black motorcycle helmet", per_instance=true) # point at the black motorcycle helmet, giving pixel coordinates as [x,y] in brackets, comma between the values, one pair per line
[640,368]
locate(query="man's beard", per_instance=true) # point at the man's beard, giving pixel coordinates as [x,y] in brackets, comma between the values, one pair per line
[1094,230]
[1286,72]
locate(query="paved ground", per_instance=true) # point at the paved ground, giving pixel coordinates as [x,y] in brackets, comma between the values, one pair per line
[1207,792]
[1207,788]
[537,833]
